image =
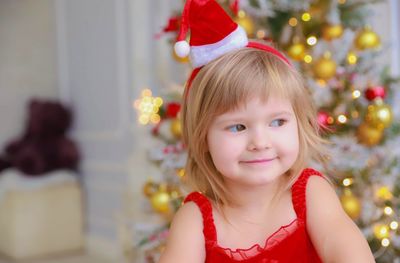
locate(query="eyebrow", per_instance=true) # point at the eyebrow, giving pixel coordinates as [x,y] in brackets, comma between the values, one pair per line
[239,118]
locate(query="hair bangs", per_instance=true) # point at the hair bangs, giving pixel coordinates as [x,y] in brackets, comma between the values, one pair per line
[262,76]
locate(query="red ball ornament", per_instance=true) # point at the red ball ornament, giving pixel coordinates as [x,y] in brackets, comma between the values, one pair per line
[173,109]
[323,119]
[372,93]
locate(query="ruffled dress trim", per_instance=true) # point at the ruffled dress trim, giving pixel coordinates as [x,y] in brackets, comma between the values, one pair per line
[209,231]
[273,240]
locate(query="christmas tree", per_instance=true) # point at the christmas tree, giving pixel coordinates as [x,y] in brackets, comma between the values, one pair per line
[336,50]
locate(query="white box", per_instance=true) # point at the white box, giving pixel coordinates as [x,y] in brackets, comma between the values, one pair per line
[41,222]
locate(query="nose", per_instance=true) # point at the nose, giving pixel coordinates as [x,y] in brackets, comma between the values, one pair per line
[259,140]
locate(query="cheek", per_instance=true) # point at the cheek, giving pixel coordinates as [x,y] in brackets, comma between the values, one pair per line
[222,150]
[212,144]
[217,146]
[295,146]
[294,143]
[217,154]
[289,141]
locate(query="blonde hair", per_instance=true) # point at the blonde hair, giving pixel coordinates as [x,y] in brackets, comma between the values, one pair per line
[227,83]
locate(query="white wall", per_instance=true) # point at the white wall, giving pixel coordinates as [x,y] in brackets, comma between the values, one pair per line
[395,36]
[386,22]
[27,60]
[95,78]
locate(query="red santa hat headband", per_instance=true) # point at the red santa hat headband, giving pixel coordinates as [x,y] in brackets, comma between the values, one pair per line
[212,34]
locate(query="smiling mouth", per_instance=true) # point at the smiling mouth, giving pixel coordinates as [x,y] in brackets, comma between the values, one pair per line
[258,161]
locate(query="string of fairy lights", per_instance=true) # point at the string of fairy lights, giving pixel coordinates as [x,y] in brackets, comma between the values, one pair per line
[148,108]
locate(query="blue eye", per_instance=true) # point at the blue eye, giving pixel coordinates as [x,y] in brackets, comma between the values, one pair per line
[237,128]
[278,122]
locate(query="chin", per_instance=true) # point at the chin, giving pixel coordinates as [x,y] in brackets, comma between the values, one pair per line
[262,179]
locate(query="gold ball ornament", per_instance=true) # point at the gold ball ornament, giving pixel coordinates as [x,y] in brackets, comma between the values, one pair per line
[383,193]
[176,128]
[149,188]
[180,172]
[160,201]
[330,32]
[351,204]
[369,135]
[366,39]
[379,115]
[175,193]
[178,58]
[324,68]
[246,22]
[297,51]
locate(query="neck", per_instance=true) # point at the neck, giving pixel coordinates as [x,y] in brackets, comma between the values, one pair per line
[254,202]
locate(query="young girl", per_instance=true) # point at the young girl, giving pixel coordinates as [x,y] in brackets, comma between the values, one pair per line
[250,128]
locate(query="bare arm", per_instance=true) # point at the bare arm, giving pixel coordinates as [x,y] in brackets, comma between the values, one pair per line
[185,240]
[335,236]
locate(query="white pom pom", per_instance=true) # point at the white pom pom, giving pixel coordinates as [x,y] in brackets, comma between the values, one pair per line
[182,49]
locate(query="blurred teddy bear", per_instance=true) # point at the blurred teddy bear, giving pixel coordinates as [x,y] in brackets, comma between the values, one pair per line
[44,146]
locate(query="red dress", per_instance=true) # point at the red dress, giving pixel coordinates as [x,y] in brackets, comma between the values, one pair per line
[290,243]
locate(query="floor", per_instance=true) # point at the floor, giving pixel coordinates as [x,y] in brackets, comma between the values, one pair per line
[73,259]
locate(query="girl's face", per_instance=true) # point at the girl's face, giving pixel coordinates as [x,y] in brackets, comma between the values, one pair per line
[256,143]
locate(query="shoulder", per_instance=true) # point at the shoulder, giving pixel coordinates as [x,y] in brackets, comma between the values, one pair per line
[185,239]
[334,235]
[320,193]
[322,201]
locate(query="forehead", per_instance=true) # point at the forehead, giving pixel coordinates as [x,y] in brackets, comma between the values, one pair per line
[256,106]
[240,97]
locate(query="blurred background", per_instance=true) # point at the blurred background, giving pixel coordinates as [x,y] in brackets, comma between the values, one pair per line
[84,178]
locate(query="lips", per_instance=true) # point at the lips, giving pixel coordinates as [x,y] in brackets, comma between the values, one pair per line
[255,161]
